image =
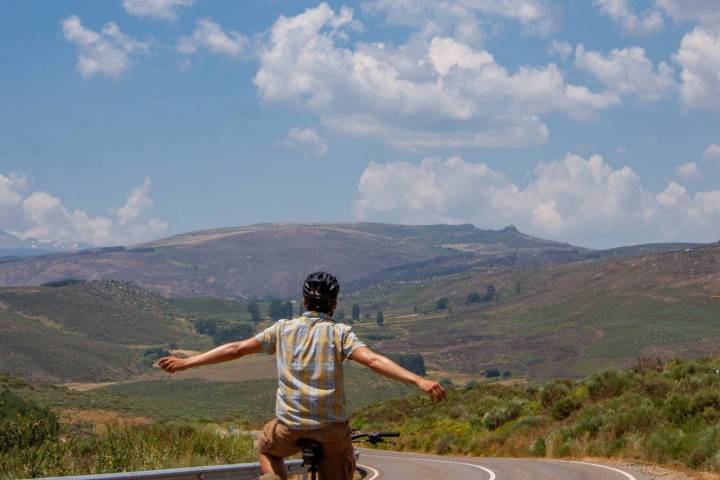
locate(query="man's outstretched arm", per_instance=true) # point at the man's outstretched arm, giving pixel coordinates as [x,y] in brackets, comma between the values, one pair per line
[386,367]
[223,353]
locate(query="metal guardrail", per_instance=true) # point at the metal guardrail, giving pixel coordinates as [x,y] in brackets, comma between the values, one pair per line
[240,471]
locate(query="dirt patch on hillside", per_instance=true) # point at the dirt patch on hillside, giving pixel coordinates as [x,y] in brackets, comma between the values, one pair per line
[99,418]
[86,387]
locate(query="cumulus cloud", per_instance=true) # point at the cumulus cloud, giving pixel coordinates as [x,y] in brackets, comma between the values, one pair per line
[39,215]
[464,18]
[705,12]
[424,93]
[560,49]
[163,9]
[628,71]
[699,56]
[585,201]
[107,52]
[687,171]
[712,152]
[306,140]
[621,12]
[211,36]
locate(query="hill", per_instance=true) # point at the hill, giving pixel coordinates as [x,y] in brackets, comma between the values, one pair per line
[664,413]
[556,320]
[85,331]
[272,259]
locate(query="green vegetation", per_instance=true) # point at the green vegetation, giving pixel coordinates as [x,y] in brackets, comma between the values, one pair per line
[254,311]
[232,333]
[279,309]
[355,312]
[442,303]
[77,449]
[660,413]
[379,318]
[196,399]
[412,361]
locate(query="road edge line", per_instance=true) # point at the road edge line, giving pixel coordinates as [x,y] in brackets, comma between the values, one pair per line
[376,473]
[616,470]
[486,470]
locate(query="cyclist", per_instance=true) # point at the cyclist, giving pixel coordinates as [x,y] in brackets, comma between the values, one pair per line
[310,399]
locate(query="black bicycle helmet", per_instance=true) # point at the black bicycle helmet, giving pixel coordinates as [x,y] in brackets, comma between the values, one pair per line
[320,291]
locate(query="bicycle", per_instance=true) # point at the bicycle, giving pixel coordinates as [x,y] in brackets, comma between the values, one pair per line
[312,450]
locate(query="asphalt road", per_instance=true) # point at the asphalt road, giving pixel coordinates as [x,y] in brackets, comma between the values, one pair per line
[410,466]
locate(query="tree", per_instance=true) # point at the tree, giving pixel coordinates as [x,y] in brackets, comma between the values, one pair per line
[254,311]
[492,373]
[490,293]
[206,326]
[279,309]
[442,303]
[356,312]
[411,361]
[473,298]
[232,333]
[380,318]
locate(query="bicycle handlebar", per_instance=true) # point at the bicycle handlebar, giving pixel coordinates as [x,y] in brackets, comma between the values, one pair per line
[374,437]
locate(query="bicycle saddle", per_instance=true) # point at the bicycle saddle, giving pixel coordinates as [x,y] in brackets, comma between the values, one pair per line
[311,451]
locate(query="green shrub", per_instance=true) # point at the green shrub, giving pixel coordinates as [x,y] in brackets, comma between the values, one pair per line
[24,424]
[554,392]
[607,384]
[471,384]
[538,448]
[563,408]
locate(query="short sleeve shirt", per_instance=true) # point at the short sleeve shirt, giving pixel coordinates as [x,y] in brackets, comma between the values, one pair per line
[309,352]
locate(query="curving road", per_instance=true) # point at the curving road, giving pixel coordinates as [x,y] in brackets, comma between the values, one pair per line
[409,466]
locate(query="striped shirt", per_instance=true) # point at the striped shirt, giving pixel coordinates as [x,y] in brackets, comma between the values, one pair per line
[309,352]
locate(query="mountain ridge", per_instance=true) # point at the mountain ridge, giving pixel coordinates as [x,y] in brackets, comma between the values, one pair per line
[271,259]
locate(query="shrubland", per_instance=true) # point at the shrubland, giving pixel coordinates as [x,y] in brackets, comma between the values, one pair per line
[657,412]
[34,443]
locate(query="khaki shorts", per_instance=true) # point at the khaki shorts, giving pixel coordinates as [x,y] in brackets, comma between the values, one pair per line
[337,461]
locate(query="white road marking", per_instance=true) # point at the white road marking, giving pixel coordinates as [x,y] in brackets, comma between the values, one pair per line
[617,470]
[375,473]
[486,470]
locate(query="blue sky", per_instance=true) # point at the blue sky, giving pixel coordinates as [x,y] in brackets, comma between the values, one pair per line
[593,122]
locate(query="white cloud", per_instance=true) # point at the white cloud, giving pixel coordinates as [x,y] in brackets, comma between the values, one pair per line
[42,216]
[560,49]
[628,71]
[712,152]
[425,93]
[307,140]
[464,18]
[107,52]
[136,203]
[687,171]
[699,56]
[705,12]
[584,201]
[163,9]
[210,35]
[620,11]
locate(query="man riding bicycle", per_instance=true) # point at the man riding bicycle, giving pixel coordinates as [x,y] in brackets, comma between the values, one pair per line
[310,399]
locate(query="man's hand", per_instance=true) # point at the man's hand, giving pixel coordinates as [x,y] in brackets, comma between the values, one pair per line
[433,389]
[173,364]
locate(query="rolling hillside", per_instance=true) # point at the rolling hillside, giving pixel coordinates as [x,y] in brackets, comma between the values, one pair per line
[94,331]
[558,320]
[273,259]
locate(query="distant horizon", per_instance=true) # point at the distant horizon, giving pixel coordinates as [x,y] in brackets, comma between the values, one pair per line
[350,222]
